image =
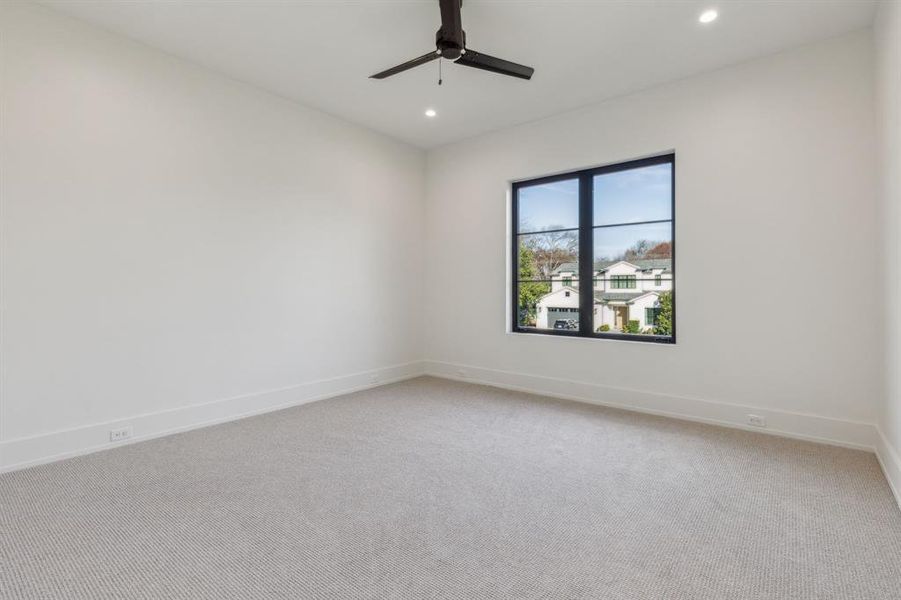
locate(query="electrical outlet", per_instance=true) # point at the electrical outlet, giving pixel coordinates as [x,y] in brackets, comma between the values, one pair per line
[117,435]
[757,420]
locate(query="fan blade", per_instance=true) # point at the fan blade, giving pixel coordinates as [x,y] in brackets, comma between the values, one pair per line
[407,65]
[495,65]
[451,20]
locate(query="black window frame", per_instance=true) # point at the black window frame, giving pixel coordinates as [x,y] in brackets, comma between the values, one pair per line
[586,242]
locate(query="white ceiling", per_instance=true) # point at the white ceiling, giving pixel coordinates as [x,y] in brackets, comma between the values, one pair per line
[321,52]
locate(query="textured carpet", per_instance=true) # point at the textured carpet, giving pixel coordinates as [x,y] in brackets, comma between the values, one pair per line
[436,489]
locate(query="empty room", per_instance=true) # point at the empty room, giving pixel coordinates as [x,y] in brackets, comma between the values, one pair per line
[409,299]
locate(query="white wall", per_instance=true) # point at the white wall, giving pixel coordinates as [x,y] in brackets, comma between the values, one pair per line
[888,104]
[775,190]
[172,238]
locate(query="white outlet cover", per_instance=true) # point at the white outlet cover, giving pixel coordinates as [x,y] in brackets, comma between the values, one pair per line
[117,435]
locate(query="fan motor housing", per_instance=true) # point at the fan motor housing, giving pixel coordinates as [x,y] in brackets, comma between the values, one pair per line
[448,47]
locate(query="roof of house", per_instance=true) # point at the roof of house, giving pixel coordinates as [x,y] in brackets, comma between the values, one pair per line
[603,265]
[604,297]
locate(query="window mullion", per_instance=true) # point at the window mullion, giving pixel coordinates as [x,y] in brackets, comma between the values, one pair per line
[514,255]
[586,255]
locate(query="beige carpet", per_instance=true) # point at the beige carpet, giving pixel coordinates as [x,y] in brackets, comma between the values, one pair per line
[435,489]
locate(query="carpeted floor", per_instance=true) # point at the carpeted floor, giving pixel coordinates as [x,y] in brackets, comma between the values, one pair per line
[436,489]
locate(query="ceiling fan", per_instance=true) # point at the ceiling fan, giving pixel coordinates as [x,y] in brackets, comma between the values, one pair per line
[450,42]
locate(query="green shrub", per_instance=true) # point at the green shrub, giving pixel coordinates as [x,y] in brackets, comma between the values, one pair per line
[633,327]
[664,324]
[604,327]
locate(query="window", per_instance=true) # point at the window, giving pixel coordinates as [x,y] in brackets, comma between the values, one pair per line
[622,282]
[613,226]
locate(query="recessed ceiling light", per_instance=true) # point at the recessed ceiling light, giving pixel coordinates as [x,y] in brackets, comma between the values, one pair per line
[708,16]
[430,112]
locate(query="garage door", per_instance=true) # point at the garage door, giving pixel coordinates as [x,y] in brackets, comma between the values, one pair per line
[553,314]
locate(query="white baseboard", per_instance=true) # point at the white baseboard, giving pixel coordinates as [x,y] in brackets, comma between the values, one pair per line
[29,451]
[891,464]
[34,450]
[837,432]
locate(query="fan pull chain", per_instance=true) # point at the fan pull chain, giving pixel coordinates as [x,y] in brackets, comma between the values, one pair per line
[439,71]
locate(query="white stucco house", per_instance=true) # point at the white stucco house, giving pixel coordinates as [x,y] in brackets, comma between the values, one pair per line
[623,291]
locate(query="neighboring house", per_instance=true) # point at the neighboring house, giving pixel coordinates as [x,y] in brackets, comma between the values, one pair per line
[623,291]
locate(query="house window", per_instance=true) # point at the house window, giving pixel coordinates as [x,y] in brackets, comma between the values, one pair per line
[615,219]
[622,282]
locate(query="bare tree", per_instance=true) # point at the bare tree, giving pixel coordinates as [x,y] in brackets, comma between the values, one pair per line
[551,249]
